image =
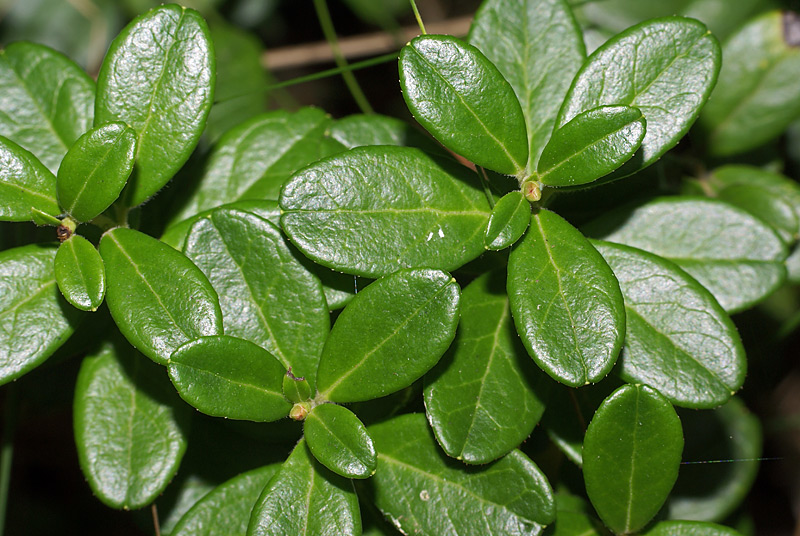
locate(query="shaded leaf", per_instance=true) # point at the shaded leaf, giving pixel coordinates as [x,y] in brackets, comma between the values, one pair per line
[25,184]
[80,273]
[509,220]
[358,130]
[574,517]
[690,528]
[340,441]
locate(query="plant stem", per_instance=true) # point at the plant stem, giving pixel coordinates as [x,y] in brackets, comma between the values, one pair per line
[419,19]
[7,450]
[325,21]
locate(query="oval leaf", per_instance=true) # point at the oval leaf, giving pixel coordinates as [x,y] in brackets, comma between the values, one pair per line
[682,61]
[631,455]
[373,210]
[690,528]
[566,303]
[678,338]
[25,184]
[401,323]
[461,98]
[509,220]
[485,396]
[158,77]
[295,389]
[227,377]
[95,169]
[593,144]
[305,498]
[130,428]
[80,273]
[423,492]
[340,441]
[158,298]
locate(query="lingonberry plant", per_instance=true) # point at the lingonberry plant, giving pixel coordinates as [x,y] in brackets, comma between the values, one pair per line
[338,273]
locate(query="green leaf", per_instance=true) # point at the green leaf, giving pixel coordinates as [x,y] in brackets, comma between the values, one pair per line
[757,96]
[295,389]
[358,130]
[130,427]
[509,221]
[266,294]
[25,184]
[80,273]
[226,509]
[401,323]
[95,170]
[158,298]
[538,47]
[47,101]
[43,218]
[461,98]
[158,77]
[574,517]
[485,396]
[423,492]
[373,210]
[305,498]
[340,441]
[227,377]
[678,338]
[735,256]
[690,528]
[566,303]
[631,456]
[34,317]
[593,144]
[665,67]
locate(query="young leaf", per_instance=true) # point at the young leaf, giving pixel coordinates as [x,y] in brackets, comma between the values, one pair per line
[35,318]
[566,303]
[678,337]
[690,528]
[227,377]
[80,273]
[305,498]
[340,441]
[593,144]
[423,492]
[95,170]
[538,47]
[735,256]
[158,77]
[295,389]
[266,294]
[47,101]
[158,298]
[461,98]
[25,184]
[664,67]
[374,210]
[130,428]
[401,324]
[509,220]
[631,456]
[757,96]
[485,396]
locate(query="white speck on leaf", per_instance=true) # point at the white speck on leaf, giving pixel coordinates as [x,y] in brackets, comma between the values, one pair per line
[424,495]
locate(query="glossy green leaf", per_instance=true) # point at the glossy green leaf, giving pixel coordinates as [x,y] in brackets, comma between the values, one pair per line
[690,528]
[631,456]
[485,396]
[158,77]
[358,130]
[158,298]
[305,498]
[566,303]
[43,218]
[266,294]
[130,426]
[254,159]
[401,323]
[735,256]
[46,102]
[340,441]
[757,96]
[95,170]
[574,517]
[461,98]
[80,273]
[223,376]
[226,509]
[423,492]
[538,47]
[593,144]
[664,67]
[295,389]
[25,184]
[678,339]
[509,220]
[34,317]
[374,210]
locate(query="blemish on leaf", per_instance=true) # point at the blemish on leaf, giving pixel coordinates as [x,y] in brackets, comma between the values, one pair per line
[791,28]
[424,495]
